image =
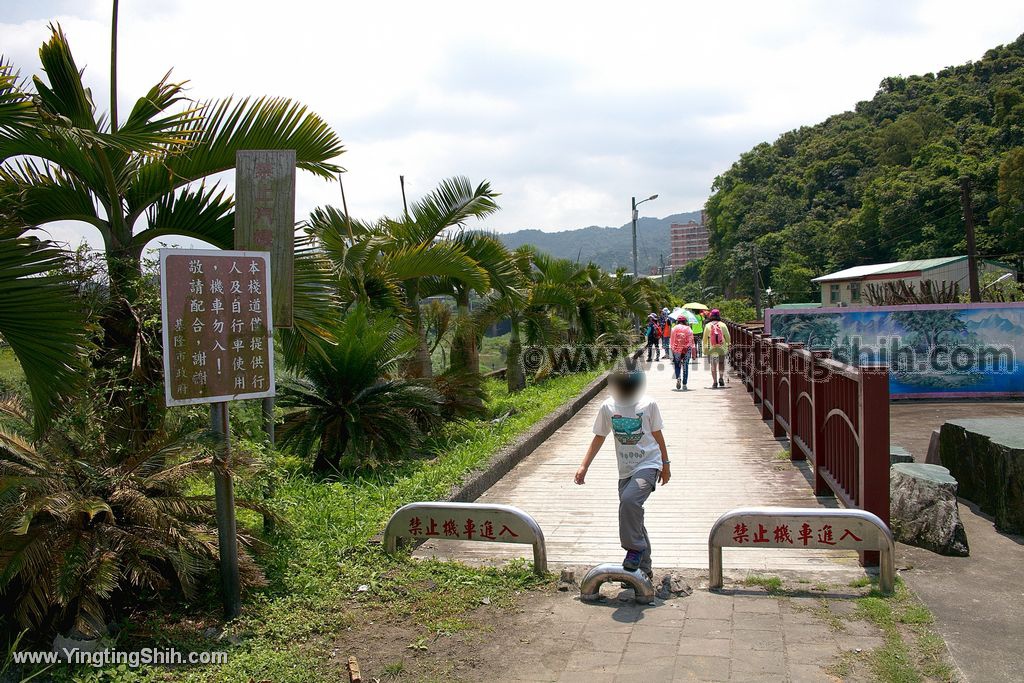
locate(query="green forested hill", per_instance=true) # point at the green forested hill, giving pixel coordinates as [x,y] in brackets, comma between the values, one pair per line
[880,183]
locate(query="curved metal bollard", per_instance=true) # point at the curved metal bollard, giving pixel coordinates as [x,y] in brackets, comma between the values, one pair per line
[590,586]
[807,528]
[448,521]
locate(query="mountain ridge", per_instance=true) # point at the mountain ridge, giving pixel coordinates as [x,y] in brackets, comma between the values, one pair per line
[607,246]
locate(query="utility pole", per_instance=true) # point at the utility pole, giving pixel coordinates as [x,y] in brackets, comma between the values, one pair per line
[405,206]
[972,260]
[757,282]
[633,214]
[662,269]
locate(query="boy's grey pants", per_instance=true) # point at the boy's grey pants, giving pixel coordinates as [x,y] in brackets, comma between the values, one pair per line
[633,493]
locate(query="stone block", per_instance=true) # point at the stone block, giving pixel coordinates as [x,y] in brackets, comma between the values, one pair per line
[986,455]
[924,510]
[898,453]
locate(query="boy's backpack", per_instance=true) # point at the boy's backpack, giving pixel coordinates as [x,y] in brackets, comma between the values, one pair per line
[715,330]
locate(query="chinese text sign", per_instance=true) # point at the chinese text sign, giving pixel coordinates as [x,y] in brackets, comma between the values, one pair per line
[469,525]
[813,533]
[217,322]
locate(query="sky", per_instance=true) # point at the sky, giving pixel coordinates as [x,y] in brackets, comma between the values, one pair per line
[568,108]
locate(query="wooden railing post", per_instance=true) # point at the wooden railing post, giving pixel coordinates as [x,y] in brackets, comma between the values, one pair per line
[764,362]
[789,368]
[819,388]
[779,354]
[873,460]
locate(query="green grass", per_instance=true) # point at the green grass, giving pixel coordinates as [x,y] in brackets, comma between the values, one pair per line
[315,564]
[10,368]
[898,661]
[772,584]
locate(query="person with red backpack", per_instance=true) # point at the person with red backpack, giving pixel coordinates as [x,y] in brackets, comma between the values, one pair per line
[716,345]
[681,342]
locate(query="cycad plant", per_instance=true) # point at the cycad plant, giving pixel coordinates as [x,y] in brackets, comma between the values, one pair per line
[348,405]
[83,522]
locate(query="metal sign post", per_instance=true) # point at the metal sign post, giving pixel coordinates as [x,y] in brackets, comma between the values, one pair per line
[807,528]
[217,347]
[467,522]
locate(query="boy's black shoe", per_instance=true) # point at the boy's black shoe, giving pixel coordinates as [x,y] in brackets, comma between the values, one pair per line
[721,382]
[632,561]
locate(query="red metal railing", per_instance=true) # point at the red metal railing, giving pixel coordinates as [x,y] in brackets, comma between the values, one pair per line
[836,416]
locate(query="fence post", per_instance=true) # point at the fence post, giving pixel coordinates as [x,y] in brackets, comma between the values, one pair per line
[764,362]
[819,387]
[789,360]
[780,355]
[873,460]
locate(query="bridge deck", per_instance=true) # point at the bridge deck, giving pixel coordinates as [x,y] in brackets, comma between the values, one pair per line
[723,457]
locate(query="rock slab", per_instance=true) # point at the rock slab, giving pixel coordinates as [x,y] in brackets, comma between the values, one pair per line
[986,455]
[924,510]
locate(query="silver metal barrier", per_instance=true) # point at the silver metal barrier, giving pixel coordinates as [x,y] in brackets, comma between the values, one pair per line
[590,586]
[804,528]
[485,522]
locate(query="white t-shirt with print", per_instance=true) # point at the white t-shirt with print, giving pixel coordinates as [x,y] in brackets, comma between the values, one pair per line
[631,426]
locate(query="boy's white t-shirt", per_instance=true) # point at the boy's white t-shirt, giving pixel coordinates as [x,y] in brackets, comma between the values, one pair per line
[631,425]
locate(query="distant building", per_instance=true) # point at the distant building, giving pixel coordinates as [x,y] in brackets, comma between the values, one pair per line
[689,242]
[848,287]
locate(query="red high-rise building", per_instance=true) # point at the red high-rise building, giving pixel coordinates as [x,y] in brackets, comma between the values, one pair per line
[689,242]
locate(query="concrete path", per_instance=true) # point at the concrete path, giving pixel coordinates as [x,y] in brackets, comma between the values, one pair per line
[723,456]
[743,635]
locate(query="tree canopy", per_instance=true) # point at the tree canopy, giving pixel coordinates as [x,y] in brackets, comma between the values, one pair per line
[879,183]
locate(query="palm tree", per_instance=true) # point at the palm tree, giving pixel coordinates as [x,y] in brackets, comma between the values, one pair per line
[531,310]
[491,254]
[349,405]
[40,317]
[81,165]
[80,521]
[394,263]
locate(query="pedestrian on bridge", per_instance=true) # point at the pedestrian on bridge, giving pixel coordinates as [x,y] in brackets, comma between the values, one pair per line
[716,346]
[653,335]
[666,332]
[681,343]
[642,458]
[697,327]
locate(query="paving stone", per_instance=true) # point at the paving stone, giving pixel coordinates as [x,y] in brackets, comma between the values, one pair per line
[863,643]
[822,652]
[658,635]
[758,606]
[757,640]
[593,662]
[758,661]
[710,647]
[701,668]
[601,642]
[756,621]
[707,628]
[586,677]
[808,673]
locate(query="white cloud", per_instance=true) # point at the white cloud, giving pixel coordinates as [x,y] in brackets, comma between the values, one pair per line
[567,107]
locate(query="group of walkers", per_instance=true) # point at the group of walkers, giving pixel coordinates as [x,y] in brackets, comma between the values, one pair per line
[683,337]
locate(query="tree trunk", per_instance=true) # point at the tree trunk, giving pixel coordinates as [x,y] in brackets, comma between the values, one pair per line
[465,354]
[513,367]
[128,360]
[419,366]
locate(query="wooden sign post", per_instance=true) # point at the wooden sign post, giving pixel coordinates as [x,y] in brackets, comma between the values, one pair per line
[217,315]
[265,220]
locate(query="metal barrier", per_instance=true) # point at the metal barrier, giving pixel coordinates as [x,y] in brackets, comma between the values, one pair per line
[467,522]
[590,586]
[835,415]
[809,528]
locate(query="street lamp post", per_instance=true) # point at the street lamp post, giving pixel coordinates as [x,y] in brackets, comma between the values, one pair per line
[635,204]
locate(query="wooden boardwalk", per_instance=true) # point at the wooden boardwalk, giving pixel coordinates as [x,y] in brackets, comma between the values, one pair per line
[723,457]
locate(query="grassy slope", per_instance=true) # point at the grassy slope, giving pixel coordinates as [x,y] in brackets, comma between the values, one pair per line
[317,563]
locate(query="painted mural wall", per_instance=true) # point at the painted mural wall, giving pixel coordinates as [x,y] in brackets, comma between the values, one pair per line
[933,351]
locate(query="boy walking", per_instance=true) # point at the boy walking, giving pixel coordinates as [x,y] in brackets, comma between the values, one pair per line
[642,458]
[653,335]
